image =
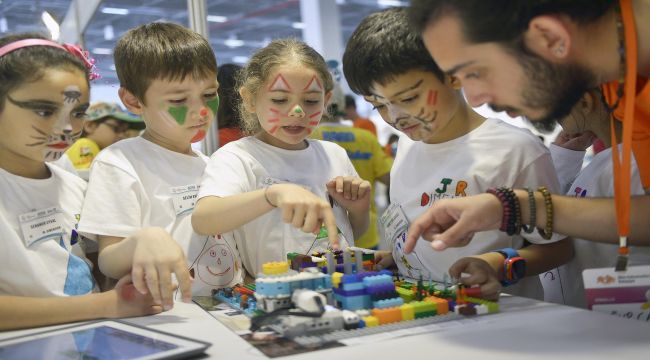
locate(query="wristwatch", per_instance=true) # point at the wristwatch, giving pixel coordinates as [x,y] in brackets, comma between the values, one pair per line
[514,266]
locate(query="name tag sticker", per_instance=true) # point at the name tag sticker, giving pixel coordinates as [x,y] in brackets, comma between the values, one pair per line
[394,222]
[41,225]
[622,293]
[184,198]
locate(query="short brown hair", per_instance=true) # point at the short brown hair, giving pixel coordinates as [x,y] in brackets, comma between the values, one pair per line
[276,53]
[161,51]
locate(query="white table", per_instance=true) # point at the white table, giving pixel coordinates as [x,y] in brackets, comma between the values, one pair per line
[525,329]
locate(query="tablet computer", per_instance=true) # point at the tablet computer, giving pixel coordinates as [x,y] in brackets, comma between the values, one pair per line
[104,339]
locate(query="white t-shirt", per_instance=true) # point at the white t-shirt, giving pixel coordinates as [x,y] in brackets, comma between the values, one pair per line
[249,164]
[135,183]
[494,154]
[37,218]
[595,180]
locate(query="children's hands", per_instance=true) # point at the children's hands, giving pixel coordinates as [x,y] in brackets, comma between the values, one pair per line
[481,273]
[126,300]
[576,142]
[383,260]
[155,258]
[304,210]
[352,193]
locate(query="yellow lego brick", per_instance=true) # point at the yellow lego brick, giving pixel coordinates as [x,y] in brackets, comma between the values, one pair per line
[371,321]
[275,268]
[408,313]
[406,294]
[336,279]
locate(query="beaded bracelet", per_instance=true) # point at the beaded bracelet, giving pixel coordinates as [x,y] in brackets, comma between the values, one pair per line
[547,232]
[266,196]
[511,219]
[533,212]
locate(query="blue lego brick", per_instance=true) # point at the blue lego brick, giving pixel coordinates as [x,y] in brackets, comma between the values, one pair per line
[377,280]
[350,292]
[353,302]
[388,303]
[380,288]
[353,286]
[349,278]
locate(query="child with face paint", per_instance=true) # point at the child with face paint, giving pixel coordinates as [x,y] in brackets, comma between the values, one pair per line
[588,120]
[271,189]
[450,151]
[168,76]
[45,277]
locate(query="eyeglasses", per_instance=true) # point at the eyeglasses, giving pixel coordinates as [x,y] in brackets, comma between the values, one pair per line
[117,128]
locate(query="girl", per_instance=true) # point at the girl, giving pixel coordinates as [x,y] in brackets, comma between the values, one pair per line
[45,278]
[278,175]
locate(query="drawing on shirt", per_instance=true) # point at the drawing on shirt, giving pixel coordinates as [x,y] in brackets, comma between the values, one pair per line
[440,192]
[216,265]
[580,192]
[411,262]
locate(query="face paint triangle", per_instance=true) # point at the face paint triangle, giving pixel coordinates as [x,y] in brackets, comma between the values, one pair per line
[178,113]
[214,105]
[279,84]
[313,85]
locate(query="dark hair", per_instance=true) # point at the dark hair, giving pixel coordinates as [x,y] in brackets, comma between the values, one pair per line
[261,65]
[350,102]
[161,51]
[384,46]
[502,20]
[29,64]
[229,99]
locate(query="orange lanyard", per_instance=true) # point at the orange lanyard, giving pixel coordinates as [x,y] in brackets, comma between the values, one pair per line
[622,171]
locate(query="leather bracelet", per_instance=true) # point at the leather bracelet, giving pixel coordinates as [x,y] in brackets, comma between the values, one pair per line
[547,232]
[532,208]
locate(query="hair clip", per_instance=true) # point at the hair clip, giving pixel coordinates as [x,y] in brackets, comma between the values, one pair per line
[84,56]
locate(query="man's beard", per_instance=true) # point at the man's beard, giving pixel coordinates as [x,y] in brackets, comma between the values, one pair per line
[556,88]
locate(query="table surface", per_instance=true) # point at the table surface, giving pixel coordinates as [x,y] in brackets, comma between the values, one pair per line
[524,328]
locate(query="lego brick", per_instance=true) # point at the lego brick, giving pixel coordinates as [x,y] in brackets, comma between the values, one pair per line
[388,315]
[407,312]
[370,321]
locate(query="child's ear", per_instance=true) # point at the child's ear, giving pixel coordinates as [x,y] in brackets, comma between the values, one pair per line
[131,102]
[328,96]
[588,102]
[90,126]
[453,81]
[247,100]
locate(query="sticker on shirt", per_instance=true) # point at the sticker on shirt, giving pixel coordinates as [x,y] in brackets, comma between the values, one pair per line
[41,225]
[217,265]
[622,293]
[408,265]
[184,198]
[447,189]
[394,222]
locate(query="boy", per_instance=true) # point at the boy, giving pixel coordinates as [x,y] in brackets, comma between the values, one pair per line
[445,155]
[105,125]
[168,76]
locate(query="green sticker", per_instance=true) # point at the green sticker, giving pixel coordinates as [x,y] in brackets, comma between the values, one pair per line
[214,105]
[178,113]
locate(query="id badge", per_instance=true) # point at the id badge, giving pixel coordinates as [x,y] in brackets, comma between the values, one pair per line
[394,222]
[41,225]
[621,293]
[184,198]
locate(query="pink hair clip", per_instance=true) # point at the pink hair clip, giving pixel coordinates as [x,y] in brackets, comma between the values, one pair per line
[84,56]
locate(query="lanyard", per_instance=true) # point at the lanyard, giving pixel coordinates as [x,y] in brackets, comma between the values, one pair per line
[622,171]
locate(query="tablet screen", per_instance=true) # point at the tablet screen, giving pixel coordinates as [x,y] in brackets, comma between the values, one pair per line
[96,342]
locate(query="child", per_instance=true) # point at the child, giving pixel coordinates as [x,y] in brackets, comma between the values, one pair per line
[45,279]
[587,120]
[106,124]
[277,175]
[228,113]
[449,151]
[168,76]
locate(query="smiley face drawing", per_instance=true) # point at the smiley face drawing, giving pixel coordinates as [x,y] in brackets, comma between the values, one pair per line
[216,265]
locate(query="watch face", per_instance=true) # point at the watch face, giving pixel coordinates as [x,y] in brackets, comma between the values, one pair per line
[517,267]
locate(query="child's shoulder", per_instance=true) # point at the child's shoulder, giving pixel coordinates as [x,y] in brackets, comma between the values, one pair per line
[67,178]
[500,132]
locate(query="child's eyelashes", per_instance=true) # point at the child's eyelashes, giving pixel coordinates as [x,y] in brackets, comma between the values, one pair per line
[312,102]
[210,96]
[44,113]
[410,99]
[279,101]
[378,107]
[177,101]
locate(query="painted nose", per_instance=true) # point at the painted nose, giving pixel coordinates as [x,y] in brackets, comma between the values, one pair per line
[203,112]
[395,114]
[297,112]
